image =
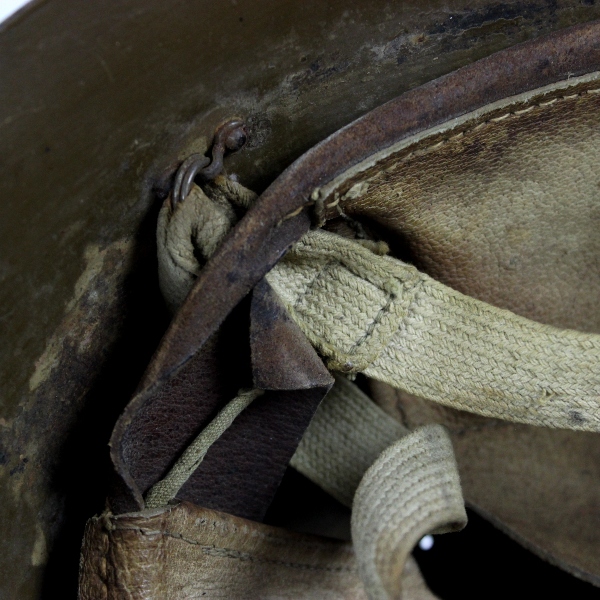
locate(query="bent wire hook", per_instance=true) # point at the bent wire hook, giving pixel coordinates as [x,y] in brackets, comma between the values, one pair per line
[229,137]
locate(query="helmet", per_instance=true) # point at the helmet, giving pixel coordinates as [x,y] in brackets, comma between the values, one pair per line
[92,137]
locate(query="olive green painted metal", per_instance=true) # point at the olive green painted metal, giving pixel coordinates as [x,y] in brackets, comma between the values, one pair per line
[97,101]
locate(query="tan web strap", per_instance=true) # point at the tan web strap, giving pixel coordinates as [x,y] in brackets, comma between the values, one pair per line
[377,315]
[400,485]
[412,489]
[347,434]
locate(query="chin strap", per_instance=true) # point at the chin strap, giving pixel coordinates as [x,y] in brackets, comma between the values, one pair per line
[370,313]
[400,485]
[379,316]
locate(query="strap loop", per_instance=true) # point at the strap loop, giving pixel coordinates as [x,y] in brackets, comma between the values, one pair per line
[412,489]
[401,485]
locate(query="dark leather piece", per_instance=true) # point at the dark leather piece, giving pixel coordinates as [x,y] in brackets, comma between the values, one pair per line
[242,470]
[177,378]
[159,424]
[244,467]
[282,357]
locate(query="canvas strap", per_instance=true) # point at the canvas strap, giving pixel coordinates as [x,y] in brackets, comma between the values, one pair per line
[345,437]
[401,485]
[412,489]
[367,312]
[370,313]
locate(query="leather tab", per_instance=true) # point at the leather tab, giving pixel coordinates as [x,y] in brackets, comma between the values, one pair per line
[242,470]
[282,357]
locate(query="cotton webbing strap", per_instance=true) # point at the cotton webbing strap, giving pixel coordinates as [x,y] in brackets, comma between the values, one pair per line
[345,437]
[166,489]
[377,315]
[400,485]
[188,234]
[412,489]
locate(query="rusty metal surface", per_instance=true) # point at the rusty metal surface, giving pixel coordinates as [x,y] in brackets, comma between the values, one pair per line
[99,99]
[229,137]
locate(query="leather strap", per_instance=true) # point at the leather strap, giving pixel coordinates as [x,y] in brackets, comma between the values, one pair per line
[242,470]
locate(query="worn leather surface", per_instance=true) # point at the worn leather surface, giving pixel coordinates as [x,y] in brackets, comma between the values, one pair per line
[242,470]
[172,405]
[187,552]
[282,356]
[153,431]
[503,204]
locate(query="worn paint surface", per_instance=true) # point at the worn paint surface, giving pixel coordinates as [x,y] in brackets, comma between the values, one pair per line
[99,99]
[50,464]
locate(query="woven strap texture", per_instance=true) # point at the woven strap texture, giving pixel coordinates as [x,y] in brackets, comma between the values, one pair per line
[367,312]
[374,314]
[162,492]
[400,485]
[347,434]
[370,313]
[188,234]
[412,489]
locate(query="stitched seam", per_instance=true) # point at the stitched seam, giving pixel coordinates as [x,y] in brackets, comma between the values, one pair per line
[316,192]
[242,556]
[380,314]
[386,308]
[227,529]
[508,115]
[371,327]
[460,134]
[222,552]
[313,283]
